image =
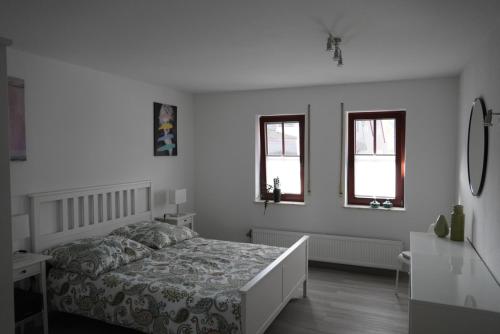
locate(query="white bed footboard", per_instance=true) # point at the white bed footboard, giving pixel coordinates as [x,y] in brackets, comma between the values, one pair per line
[263,298]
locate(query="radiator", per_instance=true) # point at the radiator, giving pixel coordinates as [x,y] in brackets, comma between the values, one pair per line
[366,252]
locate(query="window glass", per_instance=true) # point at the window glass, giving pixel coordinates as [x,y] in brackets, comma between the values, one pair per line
[386,136]
[375,176]
[274,138]
[364,136]
[288,170]
[292,143]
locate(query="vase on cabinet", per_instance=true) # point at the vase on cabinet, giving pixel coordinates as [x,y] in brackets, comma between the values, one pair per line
[441,227]
[457,223]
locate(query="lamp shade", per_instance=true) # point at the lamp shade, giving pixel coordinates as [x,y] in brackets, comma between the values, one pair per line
[177,196]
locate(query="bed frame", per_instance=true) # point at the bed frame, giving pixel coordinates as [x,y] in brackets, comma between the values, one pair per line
[62,216]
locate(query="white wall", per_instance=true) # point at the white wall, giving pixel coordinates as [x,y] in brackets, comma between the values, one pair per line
[86,127]
[6,288]
[481,77]
[225,134]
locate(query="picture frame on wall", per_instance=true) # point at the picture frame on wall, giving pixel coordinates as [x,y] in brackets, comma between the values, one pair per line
[17,120]
[165,129]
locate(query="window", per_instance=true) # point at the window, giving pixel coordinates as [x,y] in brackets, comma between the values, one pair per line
[376,157]
[282,155]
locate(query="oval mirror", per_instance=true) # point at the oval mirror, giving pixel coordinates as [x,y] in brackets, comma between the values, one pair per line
[477,147]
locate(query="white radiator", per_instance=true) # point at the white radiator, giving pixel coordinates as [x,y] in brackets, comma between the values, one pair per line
[366,252]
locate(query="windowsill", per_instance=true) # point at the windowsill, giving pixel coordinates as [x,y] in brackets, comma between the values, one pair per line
[367,207]
[261,201]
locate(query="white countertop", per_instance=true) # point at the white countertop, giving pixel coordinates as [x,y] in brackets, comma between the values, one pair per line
[20,260]
[450,273]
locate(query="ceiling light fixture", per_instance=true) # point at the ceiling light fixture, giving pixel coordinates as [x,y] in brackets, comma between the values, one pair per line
[333,44]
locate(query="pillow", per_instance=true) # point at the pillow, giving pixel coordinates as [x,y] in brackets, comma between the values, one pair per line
[94,256]
[155,234]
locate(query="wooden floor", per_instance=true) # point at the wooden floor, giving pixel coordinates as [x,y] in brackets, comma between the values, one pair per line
[344,302]
[339,301]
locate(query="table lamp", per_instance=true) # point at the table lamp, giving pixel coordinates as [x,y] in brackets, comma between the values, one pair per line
[177,197]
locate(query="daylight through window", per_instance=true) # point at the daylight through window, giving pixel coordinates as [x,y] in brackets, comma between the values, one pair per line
[376,157]
[282,155]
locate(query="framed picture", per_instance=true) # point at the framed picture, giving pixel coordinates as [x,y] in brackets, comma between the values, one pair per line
[17,127]
[165,129]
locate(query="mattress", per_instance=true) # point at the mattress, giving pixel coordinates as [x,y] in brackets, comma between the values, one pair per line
[189,287]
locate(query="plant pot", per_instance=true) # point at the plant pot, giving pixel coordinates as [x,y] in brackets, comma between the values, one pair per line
[277,195]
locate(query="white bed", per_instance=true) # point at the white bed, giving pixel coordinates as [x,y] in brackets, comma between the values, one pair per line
[62,216]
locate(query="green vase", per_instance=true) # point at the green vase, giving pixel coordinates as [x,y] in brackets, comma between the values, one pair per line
[441,227]
[457,223]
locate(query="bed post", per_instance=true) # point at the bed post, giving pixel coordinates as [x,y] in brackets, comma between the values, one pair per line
[276,285]
[34,224]
[243,314]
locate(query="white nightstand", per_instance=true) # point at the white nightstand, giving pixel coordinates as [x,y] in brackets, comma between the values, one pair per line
[184,219]
[27,265]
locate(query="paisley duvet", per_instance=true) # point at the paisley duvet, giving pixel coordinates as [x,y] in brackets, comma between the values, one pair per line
[189,287]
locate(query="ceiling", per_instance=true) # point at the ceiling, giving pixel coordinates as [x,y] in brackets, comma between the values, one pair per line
[221,45]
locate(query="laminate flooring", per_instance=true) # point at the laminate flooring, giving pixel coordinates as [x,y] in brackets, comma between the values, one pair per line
[344,302]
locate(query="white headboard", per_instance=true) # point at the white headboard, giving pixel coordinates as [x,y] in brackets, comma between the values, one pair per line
[61,216]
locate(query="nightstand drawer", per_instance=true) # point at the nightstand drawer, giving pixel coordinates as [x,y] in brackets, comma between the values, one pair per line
[27,271]
[186,221]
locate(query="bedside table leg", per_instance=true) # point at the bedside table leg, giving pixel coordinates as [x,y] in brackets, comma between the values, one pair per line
[43,280]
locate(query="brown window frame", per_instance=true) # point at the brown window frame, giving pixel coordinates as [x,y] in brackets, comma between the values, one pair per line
[400,118]
[263,120]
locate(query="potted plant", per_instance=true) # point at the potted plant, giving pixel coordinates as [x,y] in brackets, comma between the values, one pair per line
[276,190]
[266,198]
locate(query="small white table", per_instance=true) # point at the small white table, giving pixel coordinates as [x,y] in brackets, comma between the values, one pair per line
[184,219]
[27,265]
[452,290]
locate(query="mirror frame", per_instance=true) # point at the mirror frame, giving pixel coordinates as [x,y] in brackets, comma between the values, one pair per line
[478,191]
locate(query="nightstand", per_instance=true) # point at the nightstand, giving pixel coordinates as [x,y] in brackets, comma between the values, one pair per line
[28,265]
[184,219]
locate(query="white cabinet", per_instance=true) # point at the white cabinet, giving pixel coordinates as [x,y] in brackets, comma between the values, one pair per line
[452,290]
[184,219]
[26,265]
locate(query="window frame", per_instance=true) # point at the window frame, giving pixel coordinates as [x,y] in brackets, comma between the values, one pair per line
[263,120]
[400,128]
